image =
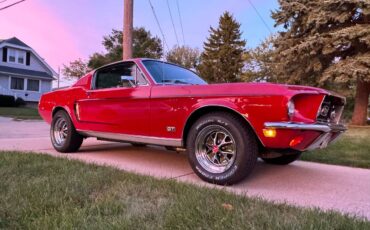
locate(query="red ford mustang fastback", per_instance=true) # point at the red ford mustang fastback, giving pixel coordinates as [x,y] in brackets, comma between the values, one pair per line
[223,127]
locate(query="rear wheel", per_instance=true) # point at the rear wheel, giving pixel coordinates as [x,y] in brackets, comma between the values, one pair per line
[221,148]
[283,160]
[64,136]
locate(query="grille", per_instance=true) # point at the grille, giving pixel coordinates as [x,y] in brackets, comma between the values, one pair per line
[330,110]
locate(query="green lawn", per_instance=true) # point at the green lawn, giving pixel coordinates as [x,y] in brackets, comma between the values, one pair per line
[19,112]
[43,192]
[352,149]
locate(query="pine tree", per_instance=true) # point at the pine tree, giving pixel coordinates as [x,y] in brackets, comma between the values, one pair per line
[326,42]
[222,58]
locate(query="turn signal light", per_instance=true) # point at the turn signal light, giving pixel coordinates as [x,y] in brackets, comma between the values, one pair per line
[295,141]
[269,132]
[77,109]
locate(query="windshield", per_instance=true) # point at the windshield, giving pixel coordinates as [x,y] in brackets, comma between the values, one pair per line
[166,73]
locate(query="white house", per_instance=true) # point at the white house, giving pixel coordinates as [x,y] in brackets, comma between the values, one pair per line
[23,73]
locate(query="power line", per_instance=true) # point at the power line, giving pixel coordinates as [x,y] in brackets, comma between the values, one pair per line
[159,25]
[5,7]
[259,15]
[173,24]
[182,28]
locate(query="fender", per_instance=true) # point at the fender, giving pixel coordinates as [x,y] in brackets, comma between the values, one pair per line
[215,105]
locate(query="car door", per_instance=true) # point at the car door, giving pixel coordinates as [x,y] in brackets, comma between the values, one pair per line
[118,101]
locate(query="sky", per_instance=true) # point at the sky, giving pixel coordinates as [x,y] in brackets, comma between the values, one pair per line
[61,31]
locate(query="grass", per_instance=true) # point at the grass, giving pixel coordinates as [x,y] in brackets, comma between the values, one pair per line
[42,192]
[19,112]
[352,149]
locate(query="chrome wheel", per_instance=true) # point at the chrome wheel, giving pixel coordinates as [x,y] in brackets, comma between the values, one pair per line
[215,149]
[60,131]
[63,134]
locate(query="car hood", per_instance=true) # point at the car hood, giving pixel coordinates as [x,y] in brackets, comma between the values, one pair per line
[252,89]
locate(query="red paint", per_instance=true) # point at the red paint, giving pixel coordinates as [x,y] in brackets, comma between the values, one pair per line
[307,107]
[149,110]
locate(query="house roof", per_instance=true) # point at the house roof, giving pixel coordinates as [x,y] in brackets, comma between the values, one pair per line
[14,41]
[25,72]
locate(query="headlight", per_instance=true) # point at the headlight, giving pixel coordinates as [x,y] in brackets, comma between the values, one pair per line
[290,109]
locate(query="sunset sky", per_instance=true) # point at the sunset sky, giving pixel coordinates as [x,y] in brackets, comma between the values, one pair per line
[64,30]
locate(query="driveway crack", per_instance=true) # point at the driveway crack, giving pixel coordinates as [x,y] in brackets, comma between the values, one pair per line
[186,174]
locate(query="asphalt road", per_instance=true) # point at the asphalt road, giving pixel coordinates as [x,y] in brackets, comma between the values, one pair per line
[304,184]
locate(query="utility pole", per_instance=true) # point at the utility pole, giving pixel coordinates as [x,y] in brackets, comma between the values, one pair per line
[128,12]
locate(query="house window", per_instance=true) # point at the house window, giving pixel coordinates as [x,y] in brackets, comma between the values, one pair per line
[17,83]
[21,57]
[33,85]
[16,56]
[11,55]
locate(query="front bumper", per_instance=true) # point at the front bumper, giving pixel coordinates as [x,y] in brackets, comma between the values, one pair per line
[328,132]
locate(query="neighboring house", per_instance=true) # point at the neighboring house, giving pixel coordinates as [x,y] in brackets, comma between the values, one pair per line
[23,73]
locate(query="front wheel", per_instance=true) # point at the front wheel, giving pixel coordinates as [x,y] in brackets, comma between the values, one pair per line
[221,148]
[64,136]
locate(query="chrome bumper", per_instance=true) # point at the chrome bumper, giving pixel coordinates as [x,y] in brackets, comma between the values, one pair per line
[315,127]
[330,132]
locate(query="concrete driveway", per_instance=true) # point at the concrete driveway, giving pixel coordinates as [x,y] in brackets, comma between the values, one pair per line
[305,184]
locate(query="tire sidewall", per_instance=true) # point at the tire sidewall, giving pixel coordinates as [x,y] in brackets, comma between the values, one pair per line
[243,153]
[61,114]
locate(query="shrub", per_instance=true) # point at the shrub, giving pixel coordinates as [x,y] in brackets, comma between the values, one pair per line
[19,102]
[7,101]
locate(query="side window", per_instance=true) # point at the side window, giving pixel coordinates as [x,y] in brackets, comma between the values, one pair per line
[120,75]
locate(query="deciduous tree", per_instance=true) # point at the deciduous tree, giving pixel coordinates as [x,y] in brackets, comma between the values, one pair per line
[75,69]
[184,56]
[144,45]
[259,63]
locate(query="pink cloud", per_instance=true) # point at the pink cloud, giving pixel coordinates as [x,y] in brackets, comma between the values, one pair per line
[36,25]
